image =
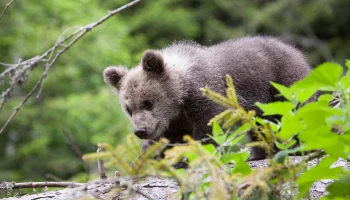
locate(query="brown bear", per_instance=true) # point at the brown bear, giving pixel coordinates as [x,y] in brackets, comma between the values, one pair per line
[162,96]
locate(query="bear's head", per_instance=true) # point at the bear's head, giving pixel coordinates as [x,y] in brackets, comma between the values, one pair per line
[150,94]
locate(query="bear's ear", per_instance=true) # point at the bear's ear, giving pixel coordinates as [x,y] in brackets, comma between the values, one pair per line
[113,75]
[152,61]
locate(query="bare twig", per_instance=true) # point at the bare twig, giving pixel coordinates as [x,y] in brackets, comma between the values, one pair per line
[13,185]
[100,164]
[6,7]
[77,150]
[75,36]
[58,43]
[5,96]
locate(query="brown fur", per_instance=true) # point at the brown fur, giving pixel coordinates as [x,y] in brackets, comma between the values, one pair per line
[162,98]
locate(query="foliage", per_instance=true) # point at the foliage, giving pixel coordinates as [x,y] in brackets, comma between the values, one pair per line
[220,173]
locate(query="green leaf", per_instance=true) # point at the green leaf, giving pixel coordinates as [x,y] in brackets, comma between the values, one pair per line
[274,127]
[280,157]
[236,140]
[191,156]
[241,164]
[290,125]
[326,98]
[276,108]
[316,113]
[339,188]
[243,128]
[347,64]
[218,134]
[285,146]
[344,83]
[217,129]
[284,91]
[209,147]
[324,77]
[323,138]
[228,158]
[326,74]
[321,171]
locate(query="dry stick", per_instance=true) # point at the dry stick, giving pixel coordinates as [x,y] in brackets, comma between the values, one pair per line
[30,64]
[6,64]
[58,43]
[35,60]
[86,29]
[75,147]
[38,83]
[14,185]
[100,164]
[5,95]
[6,7]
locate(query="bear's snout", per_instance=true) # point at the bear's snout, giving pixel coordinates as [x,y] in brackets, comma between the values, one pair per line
[140,133]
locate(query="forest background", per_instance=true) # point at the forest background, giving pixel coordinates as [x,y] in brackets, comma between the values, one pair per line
[75,107]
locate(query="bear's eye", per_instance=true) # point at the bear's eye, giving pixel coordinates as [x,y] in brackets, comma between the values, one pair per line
[129,111]
[147,105]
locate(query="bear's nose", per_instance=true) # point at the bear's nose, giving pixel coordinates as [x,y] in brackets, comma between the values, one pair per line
[140,132]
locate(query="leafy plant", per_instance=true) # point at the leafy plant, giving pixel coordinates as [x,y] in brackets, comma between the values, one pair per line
[321,127]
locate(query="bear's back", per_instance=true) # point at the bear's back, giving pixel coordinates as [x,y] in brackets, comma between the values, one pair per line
[252,62]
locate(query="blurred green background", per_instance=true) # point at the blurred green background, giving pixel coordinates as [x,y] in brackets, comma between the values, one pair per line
[75,100]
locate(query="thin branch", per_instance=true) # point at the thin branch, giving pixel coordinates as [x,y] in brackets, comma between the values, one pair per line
[13,185]
[77,35]
[77,150]
[5,96]
[6,7]
[6,65]
[57,44]
[100,164]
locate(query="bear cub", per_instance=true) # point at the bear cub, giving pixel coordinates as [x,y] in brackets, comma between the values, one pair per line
[162,97]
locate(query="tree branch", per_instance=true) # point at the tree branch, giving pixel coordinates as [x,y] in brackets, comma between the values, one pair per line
[8,186]
[31,63]
[77,150]
[6,7]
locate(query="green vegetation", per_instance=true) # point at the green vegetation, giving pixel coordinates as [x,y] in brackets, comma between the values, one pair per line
[222,173]
[75,100]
